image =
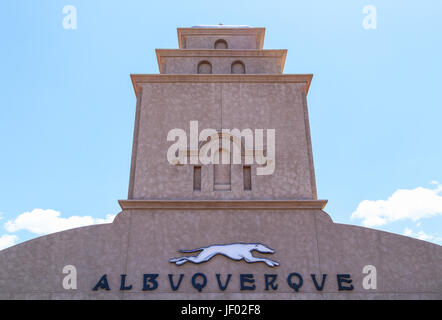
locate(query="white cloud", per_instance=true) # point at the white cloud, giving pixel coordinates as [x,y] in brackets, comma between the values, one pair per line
[421,235]
[7,240]
[42,222]
[414,204]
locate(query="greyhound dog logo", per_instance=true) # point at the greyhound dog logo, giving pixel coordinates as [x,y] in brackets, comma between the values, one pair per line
[234,251]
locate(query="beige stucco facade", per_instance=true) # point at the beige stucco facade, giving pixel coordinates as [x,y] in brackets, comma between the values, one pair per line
[167,210]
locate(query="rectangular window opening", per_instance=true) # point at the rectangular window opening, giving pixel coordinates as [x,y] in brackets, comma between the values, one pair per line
[247,176]
[197,178]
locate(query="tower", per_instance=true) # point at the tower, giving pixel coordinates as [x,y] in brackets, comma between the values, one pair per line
[222,78]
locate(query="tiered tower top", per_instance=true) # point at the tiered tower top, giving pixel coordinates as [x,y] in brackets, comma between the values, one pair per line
[221,50]
[221,80]
[206,37]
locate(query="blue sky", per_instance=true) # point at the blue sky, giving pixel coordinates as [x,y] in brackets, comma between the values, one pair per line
[67,105]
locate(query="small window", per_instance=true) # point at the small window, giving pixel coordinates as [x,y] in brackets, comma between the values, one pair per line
[222,177]
[247,176]
[221,44]
[197,178]
[204,67]
[238,68]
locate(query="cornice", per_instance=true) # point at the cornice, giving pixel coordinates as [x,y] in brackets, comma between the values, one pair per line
[139,79]
[221,52]
[222,204]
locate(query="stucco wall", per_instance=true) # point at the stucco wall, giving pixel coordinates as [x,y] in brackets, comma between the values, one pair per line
[142,241]
[233,42]
[222,65]
[279,106]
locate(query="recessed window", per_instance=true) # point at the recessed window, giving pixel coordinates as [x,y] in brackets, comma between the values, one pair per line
[221,44]
[204,67]
[247,176]
[197,178]
[238,68]
[222,173]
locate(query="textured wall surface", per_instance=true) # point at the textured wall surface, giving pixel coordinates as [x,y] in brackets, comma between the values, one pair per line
[279,106]
[142,241]
[221,65]
[234,42]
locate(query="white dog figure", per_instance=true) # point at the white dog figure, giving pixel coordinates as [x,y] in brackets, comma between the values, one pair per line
[234,251]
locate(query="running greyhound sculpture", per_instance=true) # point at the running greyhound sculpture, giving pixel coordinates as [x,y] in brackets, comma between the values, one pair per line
[234,251]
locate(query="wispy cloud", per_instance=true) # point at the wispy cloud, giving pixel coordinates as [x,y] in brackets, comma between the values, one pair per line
[41,221]
[412,204]
[421,235]
[7,240]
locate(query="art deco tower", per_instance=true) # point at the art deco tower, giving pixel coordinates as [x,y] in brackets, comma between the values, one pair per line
[223,78]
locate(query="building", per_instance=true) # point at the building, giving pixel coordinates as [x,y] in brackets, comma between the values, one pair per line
[249,225]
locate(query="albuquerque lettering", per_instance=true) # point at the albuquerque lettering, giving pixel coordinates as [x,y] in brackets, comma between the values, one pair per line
[199,281]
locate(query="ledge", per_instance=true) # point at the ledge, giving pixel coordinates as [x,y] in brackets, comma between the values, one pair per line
[226,53]
[138,79]
[222,204]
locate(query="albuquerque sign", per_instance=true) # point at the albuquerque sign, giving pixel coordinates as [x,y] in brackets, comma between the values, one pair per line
[247,281]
